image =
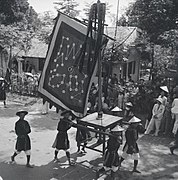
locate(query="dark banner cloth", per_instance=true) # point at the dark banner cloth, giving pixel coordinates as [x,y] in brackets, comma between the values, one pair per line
[61,82]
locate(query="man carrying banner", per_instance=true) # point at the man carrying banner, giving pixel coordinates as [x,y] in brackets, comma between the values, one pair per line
[111,157]
[131,147]
[62,141]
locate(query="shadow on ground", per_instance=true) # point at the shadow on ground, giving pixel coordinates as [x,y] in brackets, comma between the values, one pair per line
[51,171]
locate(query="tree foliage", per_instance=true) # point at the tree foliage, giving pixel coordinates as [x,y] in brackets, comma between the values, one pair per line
[18,24]
[46,26]
[13,11]
[68,7]
[158,20]
[153,16]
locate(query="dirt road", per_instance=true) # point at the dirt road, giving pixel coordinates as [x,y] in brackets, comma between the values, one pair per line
[156,163]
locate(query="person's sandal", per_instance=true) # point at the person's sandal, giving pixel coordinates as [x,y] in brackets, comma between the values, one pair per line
[136,171]
[29,166]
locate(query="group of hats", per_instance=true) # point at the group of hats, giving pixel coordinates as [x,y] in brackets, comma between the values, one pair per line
[132,120]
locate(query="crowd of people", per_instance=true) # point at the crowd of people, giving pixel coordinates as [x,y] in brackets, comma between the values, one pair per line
[112,160]
[154,102]
[26,84]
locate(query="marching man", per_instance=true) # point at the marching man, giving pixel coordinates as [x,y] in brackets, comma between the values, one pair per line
[22,129]
[111,157]
[62,141]
[131,147]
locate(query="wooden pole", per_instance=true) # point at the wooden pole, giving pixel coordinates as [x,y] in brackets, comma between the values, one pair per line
[101,8]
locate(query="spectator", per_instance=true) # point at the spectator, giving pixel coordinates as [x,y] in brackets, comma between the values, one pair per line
[167,121]
[114,79]
[157,115]
[164,91]
[120,99]
[174,111]
[3,91]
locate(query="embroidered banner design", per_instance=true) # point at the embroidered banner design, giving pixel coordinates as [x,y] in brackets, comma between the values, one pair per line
[61,82]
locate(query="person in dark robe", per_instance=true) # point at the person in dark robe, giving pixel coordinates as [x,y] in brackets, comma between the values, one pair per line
[22,129]
[82,137]
[62,140]
[111,156]
[3,91]
[131,147]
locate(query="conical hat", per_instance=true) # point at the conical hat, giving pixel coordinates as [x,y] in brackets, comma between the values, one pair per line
[117,128]
[164,88]
[1,79]
[135,120]
[116,109]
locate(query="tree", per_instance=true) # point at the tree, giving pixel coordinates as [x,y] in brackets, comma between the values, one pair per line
[19,22]
[46,26]
[18,25]
[159,21]
[153,16]
[68,7]
[13,11]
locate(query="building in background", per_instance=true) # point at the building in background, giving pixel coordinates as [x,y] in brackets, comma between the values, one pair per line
[126,64]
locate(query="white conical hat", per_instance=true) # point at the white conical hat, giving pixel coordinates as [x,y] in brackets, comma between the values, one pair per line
[117,128]
[129,104]
[116,109]
[135,120]
[1,79]
[164,88]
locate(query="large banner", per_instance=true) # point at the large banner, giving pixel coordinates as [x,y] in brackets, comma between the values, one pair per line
[62,82]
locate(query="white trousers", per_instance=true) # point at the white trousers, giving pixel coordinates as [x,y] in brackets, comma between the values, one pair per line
[153,122]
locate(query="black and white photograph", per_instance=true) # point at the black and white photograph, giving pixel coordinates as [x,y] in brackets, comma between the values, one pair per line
[88,89]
